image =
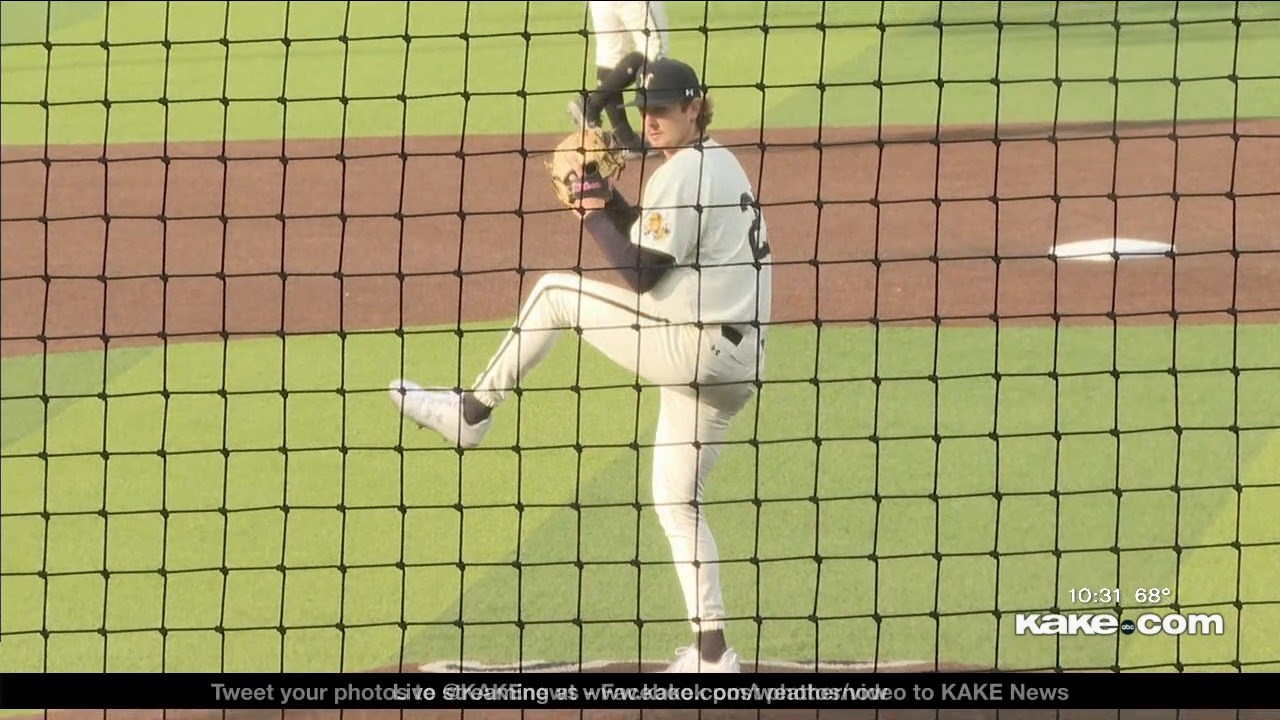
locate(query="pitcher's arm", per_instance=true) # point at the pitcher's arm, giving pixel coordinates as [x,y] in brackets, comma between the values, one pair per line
[640,267]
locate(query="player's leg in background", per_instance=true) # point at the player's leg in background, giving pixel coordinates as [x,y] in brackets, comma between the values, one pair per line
[693,427]
[637,32]
[611,102]
[647,22]
[612,40]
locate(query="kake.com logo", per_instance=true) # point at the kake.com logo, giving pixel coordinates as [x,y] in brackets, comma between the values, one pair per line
[1109,624]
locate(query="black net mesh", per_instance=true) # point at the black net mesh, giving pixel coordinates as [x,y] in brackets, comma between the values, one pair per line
[1022,361]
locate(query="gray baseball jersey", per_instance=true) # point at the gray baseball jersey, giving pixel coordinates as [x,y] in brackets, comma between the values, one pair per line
[700,209]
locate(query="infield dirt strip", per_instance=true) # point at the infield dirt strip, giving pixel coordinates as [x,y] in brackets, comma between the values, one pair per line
[309,236]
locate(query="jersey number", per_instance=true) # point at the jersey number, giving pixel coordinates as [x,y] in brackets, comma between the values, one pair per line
[760,251]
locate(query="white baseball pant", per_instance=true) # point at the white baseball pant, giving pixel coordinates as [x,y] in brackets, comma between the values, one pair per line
[624,27]
[693,424]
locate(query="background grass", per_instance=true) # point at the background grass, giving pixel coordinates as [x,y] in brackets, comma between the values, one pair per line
[254,70]
[433,592]
[1116,492]
[1130,487]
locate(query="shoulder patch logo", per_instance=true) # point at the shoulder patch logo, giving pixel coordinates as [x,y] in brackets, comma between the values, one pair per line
[655,226]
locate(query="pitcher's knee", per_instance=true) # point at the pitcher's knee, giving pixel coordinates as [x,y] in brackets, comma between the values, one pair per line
[555,281]
[553,294]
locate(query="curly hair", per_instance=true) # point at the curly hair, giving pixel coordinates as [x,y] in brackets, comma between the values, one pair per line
[705,113]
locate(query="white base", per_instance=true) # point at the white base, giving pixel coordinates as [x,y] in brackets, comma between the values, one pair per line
[1108,249]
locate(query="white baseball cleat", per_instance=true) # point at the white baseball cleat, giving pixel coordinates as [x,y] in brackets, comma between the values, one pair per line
[438,409]
[689,660]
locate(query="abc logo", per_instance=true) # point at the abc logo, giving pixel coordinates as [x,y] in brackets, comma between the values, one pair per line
[1127,627]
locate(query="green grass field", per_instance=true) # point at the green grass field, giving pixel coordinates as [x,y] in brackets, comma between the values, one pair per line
[1140,493]
[432,71]
[313,540]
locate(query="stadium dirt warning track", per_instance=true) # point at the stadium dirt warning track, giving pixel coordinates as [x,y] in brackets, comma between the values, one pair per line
[143,243]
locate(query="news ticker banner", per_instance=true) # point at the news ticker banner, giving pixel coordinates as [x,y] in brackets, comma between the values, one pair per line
[534,691]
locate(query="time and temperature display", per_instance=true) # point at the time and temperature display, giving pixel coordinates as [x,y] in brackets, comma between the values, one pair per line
[1112,596]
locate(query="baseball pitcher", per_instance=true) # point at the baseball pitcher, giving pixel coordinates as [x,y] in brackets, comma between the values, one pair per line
[691,320]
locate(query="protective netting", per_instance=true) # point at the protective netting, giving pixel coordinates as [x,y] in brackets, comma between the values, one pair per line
[226,225]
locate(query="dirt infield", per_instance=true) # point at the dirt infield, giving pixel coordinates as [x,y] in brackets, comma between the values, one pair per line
[145,244]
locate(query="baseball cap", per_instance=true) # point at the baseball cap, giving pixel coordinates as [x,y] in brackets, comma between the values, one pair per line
[666,81]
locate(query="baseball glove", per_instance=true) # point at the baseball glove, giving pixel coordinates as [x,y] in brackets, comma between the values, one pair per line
[585,164]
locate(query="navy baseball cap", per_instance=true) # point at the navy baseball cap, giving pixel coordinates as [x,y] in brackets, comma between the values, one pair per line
[666,81]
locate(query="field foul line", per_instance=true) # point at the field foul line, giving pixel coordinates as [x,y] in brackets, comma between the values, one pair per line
[537,666]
